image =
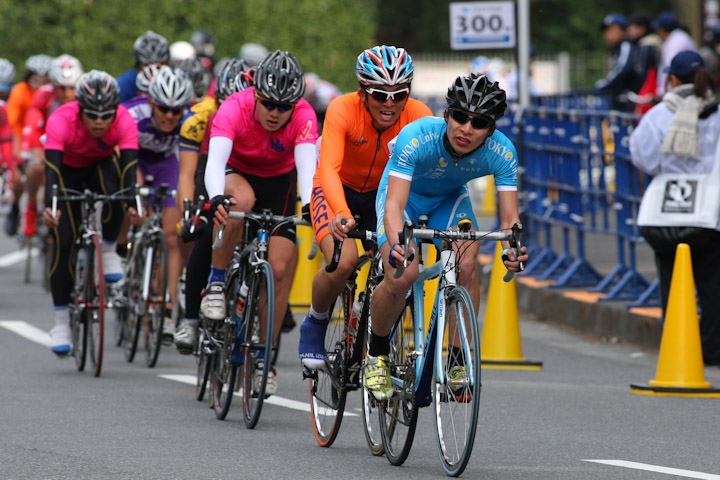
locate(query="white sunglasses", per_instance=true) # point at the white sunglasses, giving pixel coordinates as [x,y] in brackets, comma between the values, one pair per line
[382,95]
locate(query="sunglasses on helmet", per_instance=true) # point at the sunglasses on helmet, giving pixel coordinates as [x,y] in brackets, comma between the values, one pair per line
[478,123]
[94,115]
[270,105]
[382,95]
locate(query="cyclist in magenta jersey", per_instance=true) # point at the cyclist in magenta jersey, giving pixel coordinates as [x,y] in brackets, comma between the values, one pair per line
[193,158]
[7,77]
[82,137]
[262,139]
[64,73]
[158,121]
[431,161]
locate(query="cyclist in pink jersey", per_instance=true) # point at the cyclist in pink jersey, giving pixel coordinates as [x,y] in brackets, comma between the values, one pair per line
[261,139]
[80,153]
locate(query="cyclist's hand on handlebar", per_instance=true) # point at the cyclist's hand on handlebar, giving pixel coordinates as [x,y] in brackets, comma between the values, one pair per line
[134,218]
[305,213]
[48,219]
[217,210]
[512,263]
[397,255]
[340,225]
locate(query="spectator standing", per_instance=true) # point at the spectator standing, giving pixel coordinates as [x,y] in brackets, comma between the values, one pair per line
[622,76]
[675,40]
[680,135]
[648,45]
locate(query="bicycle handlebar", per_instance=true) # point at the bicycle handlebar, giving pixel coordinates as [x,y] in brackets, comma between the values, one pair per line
[91,197]
[355,233]
[264,217]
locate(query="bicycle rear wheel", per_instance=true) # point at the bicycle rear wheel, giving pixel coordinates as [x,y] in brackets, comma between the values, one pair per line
[327,389]
[154,315]
[132,291]
[78,311]
[95,313]
[398,416]
[456,387]
[204,366]
[370,406]
[225,338]
[260,306]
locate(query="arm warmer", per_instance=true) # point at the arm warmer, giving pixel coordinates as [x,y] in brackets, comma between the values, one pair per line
[53,162]
[218,154]
[128,163]
[305,163]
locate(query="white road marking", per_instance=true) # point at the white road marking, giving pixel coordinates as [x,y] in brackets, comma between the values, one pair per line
[28,331]
[656,468]
[17,257]
[274,400]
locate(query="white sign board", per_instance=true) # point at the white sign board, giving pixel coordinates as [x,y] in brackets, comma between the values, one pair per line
[482,25]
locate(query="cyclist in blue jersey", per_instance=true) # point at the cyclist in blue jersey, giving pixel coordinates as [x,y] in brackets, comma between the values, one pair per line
[432,159]
[149,48]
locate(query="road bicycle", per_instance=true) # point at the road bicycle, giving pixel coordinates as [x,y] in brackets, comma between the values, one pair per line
[140,302]
[437,364]
[88,296]
[346,342]
[234,348]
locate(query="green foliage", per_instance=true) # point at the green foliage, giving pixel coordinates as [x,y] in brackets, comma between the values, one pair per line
[325,35]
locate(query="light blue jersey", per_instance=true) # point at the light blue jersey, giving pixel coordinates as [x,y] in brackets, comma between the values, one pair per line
[438,182]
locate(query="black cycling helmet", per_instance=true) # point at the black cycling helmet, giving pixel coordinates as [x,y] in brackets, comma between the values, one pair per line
[226,83]
[198,75]
[97,91]
[151,47]
[203,42]
[477,94]
[279,78]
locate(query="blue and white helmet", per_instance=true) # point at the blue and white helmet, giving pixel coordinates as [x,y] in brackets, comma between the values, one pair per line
[383,65]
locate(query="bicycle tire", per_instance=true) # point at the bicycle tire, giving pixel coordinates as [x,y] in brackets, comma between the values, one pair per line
[398,416]
[327,390]
[204,366]
[78,317]
[154,313]
[132,292]
[95,313]
[456,407]
[370,406]
[260,304]
[225,333]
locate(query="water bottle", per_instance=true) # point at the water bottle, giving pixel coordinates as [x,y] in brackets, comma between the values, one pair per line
[355,315]
[241,299]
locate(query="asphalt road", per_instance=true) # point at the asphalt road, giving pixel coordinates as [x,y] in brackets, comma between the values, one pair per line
[135,423]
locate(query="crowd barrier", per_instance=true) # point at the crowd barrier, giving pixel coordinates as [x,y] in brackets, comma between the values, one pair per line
[576,176]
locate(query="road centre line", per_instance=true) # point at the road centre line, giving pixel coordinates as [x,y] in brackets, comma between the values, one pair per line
[656,468]
[273,400]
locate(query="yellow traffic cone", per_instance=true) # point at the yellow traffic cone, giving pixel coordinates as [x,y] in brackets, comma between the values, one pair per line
[680,364]
[489,204]
[301,290]
[500,347]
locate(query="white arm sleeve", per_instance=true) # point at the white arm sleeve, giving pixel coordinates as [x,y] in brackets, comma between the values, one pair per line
[218,154]
[305,163]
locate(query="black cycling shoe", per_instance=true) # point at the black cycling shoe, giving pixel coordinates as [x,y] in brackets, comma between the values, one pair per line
[288,322]
[12,220]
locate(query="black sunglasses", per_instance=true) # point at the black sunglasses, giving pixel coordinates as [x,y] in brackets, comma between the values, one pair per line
[94,115]
[282,107]
[165,110]
[382,95]
[478,123]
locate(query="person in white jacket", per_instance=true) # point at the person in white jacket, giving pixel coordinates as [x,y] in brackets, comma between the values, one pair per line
[680,135]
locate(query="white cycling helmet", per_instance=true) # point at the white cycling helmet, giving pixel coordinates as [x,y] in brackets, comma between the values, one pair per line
[171,87]
[7,75]
[253,53]
[180,51]
[38,64]
[145,76]
[65,71]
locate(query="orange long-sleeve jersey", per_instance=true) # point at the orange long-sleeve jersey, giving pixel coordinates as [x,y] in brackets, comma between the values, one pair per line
[352,151]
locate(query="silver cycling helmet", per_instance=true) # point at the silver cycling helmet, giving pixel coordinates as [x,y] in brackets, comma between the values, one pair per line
[65,71]
[171,87]
[7,75]
[151,47]
[198,75]
[280,78]
[97,91]
[253,53]
[145,76]
[38,64]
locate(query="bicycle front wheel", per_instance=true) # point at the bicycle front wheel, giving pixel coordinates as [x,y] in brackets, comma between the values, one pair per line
[134,303]
[95,313]
[327,392]
[224,340]
[259,319]
[456,382]
[398,416]
[154,314]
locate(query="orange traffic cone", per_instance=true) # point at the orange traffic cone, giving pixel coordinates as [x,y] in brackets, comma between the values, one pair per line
[680,364]
[500,346]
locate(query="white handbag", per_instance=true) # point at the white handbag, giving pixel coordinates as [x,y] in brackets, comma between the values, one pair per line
[682,199]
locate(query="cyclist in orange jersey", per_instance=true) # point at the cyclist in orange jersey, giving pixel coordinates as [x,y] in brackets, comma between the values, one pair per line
[353,155]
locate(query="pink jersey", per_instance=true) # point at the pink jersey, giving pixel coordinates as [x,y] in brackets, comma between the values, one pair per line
[256,151]
[66,133]
[43,103]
